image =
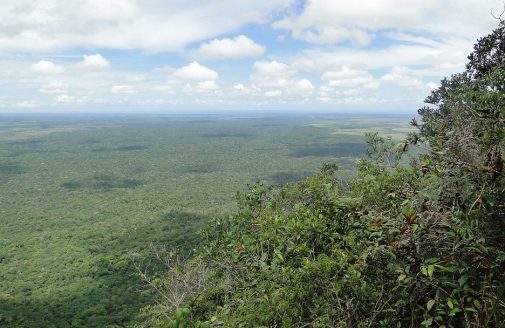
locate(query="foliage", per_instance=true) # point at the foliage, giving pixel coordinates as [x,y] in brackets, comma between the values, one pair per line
[78,193]
[400,245]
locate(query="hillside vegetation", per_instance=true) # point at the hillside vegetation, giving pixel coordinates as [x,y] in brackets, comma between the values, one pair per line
[79,192]
[399,245]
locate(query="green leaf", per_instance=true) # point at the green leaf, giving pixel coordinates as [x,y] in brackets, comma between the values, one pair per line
[402,277]
[428,322]
[449,304]
[431,269]
[430,304]
[462,280]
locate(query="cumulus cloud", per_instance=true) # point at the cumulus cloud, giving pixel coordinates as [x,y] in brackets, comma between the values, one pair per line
[238,47]
[93,63]
[123,89]
[273,93]
[202,88]
[154,25]
[243,92]
[240,89]
[272,74]
[329,21]
[54,87]
[26,104]
[279,79]
[402,76]
[195,71]
[65,99]
[347,77]
[329,65]
[438,58]
[406,77]
[348,85]
[207,86]
[47,67]
[305,85]
[164,69]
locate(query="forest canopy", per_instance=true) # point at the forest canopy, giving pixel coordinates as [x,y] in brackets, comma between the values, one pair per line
[410,241]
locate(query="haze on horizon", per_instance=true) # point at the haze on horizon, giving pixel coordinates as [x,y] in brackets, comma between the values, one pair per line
[133,55]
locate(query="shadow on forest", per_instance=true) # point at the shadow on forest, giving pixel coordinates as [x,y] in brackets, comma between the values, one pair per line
[288,177]
[91,141]
[344,149]
[266,125]
[227,135]
[103,182]
[110,290]
[27,142]
[121,148]
[28,146]
[197,169]
[9,169]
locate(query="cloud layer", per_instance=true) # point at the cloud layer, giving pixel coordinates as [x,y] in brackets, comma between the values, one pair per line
[327,54]
[153,25]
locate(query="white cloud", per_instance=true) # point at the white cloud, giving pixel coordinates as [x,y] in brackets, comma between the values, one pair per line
[305,85]
[432,85]
[402,76]
[165,88]
[272,74]
[273,93]
[324,99]
[330,21]
[202,88]
[280,79]
[347,77]
[54,87]
[93,63]
[155,25]
[195,71]
[440,59]
[65,99]
[240,89]
[348,85]
[207,86]
[238,47]
[408,78]
[164,69]
[26,104]
[47,67]
[187,88]
[123,89]
[330,66]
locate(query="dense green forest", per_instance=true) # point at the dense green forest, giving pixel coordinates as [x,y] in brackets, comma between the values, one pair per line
[81,194]
[402,244]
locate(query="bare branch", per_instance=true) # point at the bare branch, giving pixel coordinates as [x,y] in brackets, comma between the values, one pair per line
[182,277]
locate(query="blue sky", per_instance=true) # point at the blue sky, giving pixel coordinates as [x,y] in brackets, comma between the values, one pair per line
[155,55]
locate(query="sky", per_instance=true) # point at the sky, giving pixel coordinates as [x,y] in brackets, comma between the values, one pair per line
[183,55]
